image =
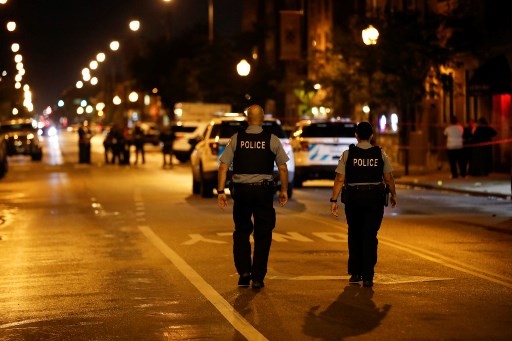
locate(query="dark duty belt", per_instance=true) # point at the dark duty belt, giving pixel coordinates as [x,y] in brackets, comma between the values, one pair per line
[250,184]
[366,187]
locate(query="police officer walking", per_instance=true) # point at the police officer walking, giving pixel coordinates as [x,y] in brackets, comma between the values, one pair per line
[253,153]
[363,172]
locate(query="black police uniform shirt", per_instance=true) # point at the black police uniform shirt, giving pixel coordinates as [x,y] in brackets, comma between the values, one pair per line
[276,148]
[369,163]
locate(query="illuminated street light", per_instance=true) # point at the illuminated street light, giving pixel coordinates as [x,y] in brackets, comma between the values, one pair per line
[18,58]
[133,96]
[89,109]
[11,26]
[370,35]
[134,25]
[116,100]
[243,68]
[79,84]
[94,80]
[86,71]
[100,106]
[17,85]
[79,110]
[60,103]
[114,45]
[93,65]
[3,2]
[100,57]
[15,47]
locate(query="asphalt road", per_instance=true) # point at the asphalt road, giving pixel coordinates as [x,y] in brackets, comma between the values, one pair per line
[109,252]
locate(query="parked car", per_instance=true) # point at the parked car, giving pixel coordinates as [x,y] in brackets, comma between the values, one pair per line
[151,133]
[187,135]
[317,147]
[22,138]
[4,165]
[204,159]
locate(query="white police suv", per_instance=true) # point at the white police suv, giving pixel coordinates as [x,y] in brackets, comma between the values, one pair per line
[317,147]
[205,156]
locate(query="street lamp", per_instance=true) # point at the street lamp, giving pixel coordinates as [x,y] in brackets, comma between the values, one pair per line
[11,26]
[370,35]
[100,57]
[114,45]
[133,96]
[243,68]
[134,25]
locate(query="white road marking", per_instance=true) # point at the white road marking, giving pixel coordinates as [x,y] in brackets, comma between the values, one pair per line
[428,255]
[196,238]
[378,278]
[231,315]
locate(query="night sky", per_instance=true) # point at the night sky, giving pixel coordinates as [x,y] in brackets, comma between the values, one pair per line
[59,37]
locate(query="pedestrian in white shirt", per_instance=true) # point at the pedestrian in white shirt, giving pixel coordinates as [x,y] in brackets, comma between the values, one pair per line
[454,146]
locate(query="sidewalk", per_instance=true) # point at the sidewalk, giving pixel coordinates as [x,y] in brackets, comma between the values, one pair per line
[495,185]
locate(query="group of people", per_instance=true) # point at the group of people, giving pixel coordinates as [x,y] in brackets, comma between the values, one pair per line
[363,178]
[468,148]
[119,139]
[117,145]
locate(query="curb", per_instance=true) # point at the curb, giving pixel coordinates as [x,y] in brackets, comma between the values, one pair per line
[453,190]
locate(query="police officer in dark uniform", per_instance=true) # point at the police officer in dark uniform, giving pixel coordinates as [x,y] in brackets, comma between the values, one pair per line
[253,153]
[363,172]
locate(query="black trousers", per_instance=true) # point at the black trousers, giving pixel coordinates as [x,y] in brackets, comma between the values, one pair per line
[253,203]
[364,210]
[84,152]
[457,158]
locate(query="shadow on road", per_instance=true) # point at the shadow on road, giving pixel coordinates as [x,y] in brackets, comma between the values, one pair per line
[353,313]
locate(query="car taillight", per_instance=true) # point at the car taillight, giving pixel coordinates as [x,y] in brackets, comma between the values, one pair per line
[304,146]
[214,148]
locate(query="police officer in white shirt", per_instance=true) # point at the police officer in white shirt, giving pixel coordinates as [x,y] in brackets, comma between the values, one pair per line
[363,172]
[253,153]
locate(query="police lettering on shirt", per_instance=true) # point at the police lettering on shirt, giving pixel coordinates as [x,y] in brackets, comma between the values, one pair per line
[366,162]
[252,144]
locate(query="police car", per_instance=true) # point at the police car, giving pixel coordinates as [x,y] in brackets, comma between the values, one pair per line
[317,147]
[204,159]
[187,134]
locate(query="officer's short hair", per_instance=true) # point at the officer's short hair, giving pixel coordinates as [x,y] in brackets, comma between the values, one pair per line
[364,130]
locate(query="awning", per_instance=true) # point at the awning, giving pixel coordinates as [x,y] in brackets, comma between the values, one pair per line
[492,78]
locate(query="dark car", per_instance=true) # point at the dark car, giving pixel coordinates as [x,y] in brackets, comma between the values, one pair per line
[21,138]
[3,158]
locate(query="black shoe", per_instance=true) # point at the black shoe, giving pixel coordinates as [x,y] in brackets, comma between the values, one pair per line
[368,283]
[355,279]
[257,284]
[244,280]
